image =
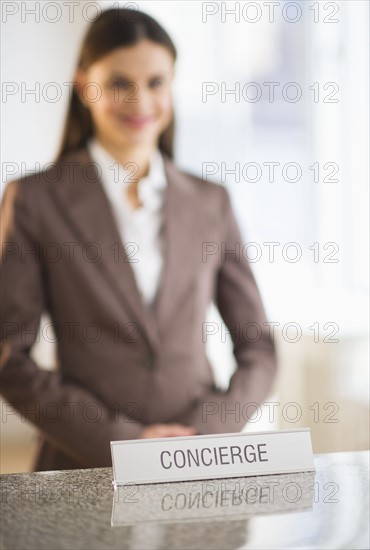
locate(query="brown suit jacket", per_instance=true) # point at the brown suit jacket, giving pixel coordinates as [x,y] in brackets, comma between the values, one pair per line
[120,365]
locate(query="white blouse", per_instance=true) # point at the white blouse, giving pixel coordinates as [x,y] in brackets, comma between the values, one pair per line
[141,227]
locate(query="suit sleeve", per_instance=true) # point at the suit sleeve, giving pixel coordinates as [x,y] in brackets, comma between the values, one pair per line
[239,303]
[61,409]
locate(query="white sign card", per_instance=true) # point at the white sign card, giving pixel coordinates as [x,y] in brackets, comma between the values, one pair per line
[161,460]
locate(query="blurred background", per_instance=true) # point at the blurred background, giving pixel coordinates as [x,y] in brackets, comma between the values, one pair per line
[271,100]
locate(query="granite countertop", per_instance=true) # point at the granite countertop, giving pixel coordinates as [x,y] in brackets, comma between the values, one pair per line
[80,509]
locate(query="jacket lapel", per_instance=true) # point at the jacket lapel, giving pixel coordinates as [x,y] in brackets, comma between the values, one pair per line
[85,204]
[182,243]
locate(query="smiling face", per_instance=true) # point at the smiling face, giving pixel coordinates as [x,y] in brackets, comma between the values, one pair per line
[128,93]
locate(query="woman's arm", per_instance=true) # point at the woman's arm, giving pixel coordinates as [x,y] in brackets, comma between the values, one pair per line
[58,407]
[239,302]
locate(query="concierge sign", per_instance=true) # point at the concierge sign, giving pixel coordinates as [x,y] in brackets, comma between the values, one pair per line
[160,460]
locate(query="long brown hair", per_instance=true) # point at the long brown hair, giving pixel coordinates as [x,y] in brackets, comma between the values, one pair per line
[113,28]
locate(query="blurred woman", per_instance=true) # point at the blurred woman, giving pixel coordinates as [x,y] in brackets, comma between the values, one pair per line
[125,252]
